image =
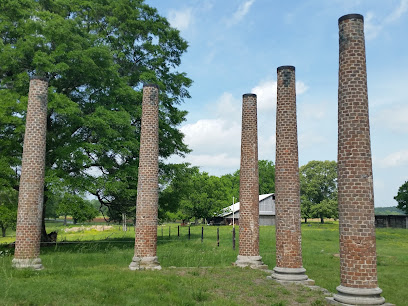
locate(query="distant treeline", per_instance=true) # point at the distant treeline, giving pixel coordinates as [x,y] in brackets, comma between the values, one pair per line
[393,210]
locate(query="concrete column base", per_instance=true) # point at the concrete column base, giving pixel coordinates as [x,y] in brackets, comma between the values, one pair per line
[291,275]
[332,301]
[255,262]
[357,296]
[144,263]
[30,263]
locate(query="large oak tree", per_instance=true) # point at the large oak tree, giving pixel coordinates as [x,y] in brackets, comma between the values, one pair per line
[97,55]
[318,190]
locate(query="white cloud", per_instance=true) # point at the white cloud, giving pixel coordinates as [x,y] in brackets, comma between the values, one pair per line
[216,141]
[396,159]
[181,19]
[206,5]
[346,5]
[289,18]
[315,111]
[215,144]
[398,12]
[266,94]
[94,172]
[301,88]
[372,27]
[240,13]
[222,160]
[209,57]
[212,135]
[228,107]
[379,184]
[310,139]
[396,119]
[267,145]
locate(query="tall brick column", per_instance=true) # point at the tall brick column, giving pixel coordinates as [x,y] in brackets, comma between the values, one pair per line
[289,265]
[249,187]
[31,193]
[358,263]
[148,184]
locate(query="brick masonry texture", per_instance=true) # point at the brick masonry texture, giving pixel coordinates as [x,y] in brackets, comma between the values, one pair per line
[249,180]
[358,266]
[148,177]
[31,193]
[287,191]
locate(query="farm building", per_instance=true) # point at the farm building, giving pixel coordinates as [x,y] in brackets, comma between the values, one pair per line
[397,221]
[266,211]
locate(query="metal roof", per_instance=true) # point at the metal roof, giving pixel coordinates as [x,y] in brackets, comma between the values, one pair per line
[235,207]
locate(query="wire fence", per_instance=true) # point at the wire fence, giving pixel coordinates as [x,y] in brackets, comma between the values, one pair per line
[161,238]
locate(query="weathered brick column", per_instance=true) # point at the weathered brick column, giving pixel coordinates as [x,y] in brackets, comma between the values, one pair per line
[31,192]
[249,187]
[289,265]
[148,184]
[358,263]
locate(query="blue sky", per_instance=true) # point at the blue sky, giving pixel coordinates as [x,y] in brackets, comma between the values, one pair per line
[235,47]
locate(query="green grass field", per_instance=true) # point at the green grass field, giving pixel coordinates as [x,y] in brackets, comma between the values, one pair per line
[95,271]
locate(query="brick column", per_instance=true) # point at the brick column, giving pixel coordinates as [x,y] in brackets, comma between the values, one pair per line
[289,265]
[249,187]
[148,184]
[31,192]
[358,263]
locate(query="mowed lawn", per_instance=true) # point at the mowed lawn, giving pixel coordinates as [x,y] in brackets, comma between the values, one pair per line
[95,270]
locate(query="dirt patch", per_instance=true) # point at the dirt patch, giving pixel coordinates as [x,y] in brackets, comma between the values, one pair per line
[259,281]
[98,220]
[99,228]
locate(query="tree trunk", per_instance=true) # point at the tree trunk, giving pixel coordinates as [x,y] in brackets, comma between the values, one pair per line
[65,220]
[321,220]
[44,235]
[305,220]
[3,231]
